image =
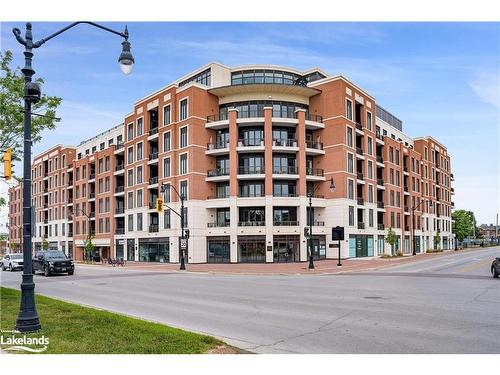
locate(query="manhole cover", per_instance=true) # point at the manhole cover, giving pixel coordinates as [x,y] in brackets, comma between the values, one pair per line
[373,297]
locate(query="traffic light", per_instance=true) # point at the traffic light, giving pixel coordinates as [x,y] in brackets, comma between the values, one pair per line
[159,204]
[186,233]
[306,232]
[7,160]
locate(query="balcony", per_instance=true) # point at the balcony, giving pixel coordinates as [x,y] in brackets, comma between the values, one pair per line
[452,190]
[250,145]
[315,172]
[317,223]
[218,172]
[153,131]
[45,221]
[218,197]
[153,180]
[284,223]
[285,143]
[92,214]
[380,160]
[406,189]
[92,176]
[153,156]
[70,182]
[380,182]
[361,225]
[120,210]
[380,227]
[119,167]
[361,202]
[291,169]
[380,205]
[70,200]
[152,205]
[92,195]
[379,136]
[290,195]
[217,148]
[359,126]
[218,225]
[251,195]
[407,209]
[452,177]
[153,228]
[120,230]
[70,234]
[407,228]
[313,117]
[119,146]
[251,170]
[359,175]
[120,189]
[314,145]
[251,223]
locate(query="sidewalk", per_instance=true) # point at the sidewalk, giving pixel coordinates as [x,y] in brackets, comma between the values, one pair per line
[321,266]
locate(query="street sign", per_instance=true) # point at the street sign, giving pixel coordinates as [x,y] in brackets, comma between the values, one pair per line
[184,243]
[338,233]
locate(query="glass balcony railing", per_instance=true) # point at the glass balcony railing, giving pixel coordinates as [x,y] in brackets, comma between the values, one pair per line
[218,172]
[285,170]
[251,170]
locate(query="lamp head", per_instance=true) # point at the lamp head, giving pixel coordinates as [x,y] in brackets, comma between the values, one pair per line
[126,59]
[332,185]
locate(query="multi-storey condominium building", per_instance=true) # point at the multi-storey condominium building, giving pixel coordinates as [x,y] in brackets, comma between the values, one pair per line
[252,149]
[15,218]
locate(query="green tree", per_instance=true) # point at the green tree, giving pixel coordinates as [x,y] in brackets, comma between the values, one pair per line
[391,238]
[437,240]
[12,108]
[463,225]
[89,248]
[45,244]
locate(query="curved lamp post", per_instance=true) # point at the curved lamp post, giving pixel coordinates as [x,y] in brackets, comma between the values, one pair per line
[28,320]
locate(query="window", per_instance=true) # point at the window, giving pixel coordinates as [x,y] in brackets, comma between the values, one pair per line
[350,163]
[368,120]
[130,131]
[166,167]
[167,142]
[139,221]
[349,139]
[107,225]
[139,198]
[348,104]
[106,164]
[370,217]
[130,223]
[130,199]
[166,219]
[184,189]
[130,155]
[139,151]
[351,215]
[183,164]
[370,169]
[350,189]
[130,177]
[139,127]
[166,115]
[184,137]
[100,168]
[184,109]
[370,146]
[370,193]
[139,174]
[107,183]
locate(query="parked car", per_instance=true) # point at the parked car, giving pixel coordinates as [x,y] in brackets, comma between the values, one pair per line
[495,267]
[53,261]
[12,262]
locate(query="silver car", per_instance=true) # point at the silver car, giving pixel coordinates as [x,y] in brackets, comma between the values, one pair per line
[12,262]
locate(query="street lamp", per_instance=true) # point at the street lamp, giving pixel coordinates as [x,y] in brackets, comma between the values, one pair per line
[413,224]
[28,320]
[311,218]
[184,233]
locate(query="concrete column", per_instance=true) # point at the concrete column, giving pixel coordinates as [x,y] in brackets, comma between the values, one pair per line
[268,154]
[233,240]
[233,155]
[269,226]
[302,214]
[301,155]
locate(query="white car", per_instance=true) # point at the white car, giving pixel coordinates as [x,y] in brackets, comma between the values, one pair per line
[12,262]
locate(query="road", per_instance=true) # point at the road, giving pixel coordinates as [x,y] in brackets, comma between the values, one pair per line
[447,304]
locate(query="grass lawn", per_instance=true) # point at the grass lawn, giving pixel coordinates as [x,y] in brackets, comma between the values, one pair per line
[74,329]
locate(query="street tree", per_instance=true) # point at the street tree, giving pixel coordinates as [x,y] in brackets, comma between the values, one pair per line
[391,238]
[463,225]
[12,108]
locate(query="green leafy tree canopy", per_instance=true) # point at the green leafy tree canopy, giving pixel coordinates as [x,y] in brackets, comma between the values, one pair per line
[464,224]
[12,108]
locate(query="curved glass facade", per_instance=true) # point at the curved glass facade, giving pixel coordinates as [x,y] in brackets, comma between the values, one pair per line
[255,108]
[272,76]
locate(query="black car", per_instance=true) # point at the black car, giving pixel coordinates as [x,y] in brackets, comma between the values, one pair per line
[53,261]
[495,267]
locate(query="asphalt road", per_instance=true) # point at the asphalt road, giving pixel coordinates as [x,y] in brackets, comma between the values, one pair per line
[447,304]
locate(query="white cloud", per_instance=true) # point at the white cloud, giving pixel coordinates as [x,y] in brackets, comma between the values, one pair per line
[486,85]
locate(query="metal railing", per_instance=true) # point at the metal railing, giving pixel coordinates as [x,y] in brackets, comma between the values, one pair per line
[251,195]
[359,150]
[361,225]
[153,228]
[380,226]
[290,195]
[217,224]
[92,196]
[217,145]
[92,176]
[315,172]
[120,210]
[360,175]
[153,156]
[119,146]
[120,230]
[359,126]
[286,170]
[316,223]
[380,182]
[380,159]
[251,170]
[218,172]
[380,204]
[285,223]
[285,142]
[119,189]
[313,117]
[251,223]
[119,167]
[361,202]
[153,131]
[314,145]
[251,142]
[153,180]
[218,197]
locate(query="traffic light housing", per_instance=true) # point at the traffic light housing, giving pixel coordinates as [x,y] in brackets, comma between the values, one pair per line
[186,233]
[159,204]
[7,160]
[306,232]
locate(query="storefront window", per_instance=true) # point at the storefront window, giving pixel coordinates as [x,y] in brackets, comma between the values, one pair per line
[154,252]
[252,249]
[218,250]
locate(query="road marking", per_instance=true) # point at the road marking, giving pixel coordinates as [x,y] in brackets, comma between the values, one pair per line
[474,266]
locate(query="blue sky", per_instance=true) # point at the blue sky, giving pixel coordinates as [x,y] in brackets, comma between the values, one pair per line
[441,79]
